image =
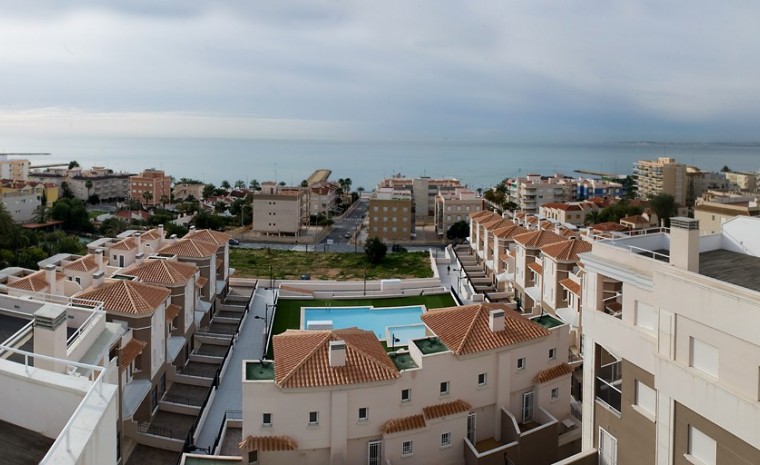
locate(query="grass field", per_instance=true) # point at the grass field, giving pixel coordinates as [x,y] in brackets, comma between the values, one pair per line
[286,264]
[288,312]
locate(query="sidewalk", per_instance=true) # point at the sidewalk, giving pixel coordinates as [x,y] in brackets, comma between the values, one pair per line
[249,345]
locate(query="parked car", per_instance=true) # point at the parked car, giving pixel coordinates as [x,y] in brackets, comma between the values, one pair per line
[233,241]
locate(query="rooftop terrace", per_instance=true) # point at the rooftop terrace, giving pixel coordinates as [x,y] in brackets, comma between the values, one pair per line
[259,371]
[430,345]
[22,446]
[403,360]
[732,267]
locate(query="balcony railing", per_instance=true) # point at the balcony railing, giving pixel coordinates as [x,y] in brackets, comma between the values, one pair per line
[609,385]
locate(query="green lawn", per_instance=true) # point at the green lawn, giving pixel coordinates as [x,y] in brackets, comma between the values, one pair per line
[288,312]
[286,264]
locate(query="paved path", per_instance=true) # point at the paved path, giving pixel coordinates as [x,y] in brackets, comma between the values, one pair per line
[249,345]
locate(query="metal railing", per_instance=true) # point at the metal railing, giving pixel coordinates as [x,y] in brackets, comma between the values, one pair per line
[85,325]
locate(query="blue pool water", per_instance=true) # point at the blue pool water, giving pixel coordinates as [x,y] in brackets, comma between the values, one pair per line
[403,323]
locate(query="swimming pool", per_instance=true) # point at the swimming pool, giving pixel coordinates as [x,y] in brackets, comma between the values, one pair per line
[401,323]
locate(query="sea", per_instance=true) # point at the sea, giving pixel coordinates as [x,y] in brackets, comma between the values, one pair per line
[479,165]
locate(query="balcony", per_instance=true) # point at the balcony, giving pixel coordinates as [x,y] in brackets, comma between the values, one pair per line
[609,384]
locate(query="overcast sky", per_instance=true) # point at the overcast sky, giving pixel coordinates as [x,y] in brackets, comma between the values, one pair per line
[472,70]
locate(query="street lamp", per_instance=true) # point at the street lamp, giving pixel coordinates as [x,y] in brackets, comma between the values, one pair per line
[394,340]
[365,281]
[271,277]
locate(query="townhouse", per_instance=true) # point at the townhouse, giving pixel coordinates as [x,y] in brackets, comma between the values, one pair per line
[485,384]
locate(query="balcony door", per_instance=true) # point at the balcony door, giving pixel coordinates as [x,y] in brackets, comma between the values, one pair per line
[607,448]
[527,407]
[375,453]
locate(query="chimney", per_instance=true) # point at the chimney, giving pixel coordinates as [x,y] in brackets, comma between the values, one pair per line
[138,241]
[98,278]
[496,320]
[50,279]
[337,353]
[50,336]
[684,243]
[139,258]
[192,228]
[161,231]
[172,239]
[99,259]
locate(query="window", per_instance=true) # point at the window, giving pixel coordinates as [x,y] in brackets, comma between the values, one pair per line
[363,414]
[482,379]
[607,448]
[253,457]
[266,419]
[406,395]
[704,357]
[445,439]
[555,393]
[552,354]
[521,363]
[313,418]
[406,448]
[701,446]
[444,388]
[646,398]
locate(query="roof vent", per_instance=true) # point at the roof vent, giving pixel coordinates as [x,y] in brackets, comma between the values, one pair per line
[337,353]
[496,320]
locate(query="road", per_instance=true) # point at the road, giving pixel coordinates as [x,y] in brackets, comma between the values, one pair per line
[347,224]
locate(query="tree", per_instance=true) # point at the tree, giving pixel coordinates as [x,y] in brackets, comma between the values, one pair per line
[304,183]
[7,227]
[208,190]
[93,199]
[592,217]
[148,196]
[226,185]
[88,185]
[66,191]
[73,213]
[239,184]
[254,184]
[629,183]
[73,164]
[725,169]
[282,183]
[458,231]
[375,250]
[665,207]
[113,226]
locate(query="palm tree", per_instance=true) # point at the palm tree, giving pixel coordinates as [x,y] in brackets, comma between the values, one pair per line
[254,184]
[592,217]
[88,185]
[226,185]
[239,184]
[148,196]
[164,201]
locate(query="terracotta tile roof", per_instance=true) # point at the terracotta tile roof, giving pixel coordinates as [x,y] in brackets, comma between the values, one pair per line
[130,243]
[496,222]
[480,214]
[504,256]
[520,214]
[190,248]
[609,226]
[509,231]
[546,224]
[557,205]
[207,235]
[86,263]
[465,329]
[396,425]
[553,373]
[635,219]
[301,359]
[268,443]
[153,235]
[443,410]
[172,311]
[536,267]
[129,352]
[532,220]
[566,250]
[128,297]
[200,282]
[537,239]
[569,233]
[34,282]
[166,272]
[571,286]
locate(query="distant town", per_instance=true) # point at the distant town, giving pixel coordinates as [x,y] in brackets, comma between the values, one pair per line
[548,319]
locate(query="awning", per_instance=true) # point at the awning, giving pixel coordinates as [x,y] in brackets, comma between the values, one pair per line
[268,443]
[172,311]
[200,282]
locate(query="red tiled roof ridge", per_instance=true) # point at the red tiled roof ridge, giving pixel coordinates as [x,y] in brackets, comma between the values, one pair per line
[325,338]
[446,408]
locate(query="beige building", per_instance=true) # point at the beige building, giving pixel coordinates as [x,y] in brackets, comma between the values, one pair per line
[534,190]
[424,191]
[390,215]
[16,169]
[742,181]
[104,182]
[150,187]
[663,175]
[456,205]
[671,348]
[183,191]
[22,199]
[280,210]
[498,389]
[715,210]
[573,213]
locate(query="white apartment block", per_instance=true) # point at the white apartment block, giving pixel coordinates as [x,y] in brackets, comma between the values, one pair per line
[486,384]
[671,347]
[534,190]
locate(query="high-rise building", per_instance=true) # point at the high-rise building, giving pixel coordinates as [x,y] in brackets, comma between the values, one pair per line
[661,176]
[150,187]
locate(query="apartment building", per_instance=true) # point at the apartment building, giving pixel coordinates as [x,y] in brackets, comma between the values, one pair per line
[661,176]
[390,215]
[16,169]
[714,210]
[150,187]
[280,210]
[486,384]
[456,205]
[743,181]
[534,190]
[106,183]
[590,188]
[700,182]
[322,198]
[22,199]
[424,191]
[671,348]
